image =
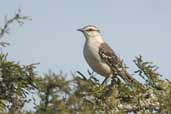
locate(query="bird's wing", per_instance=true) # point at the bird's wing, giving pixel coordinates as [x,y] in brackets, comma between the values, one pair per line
[108,56]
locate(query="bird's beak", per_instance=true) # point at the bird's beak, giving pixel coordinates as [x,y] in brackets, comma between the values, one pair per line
[81,30]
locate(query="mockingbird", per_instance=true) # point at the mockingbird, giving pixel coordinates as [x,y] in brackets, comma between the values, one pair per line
[99,56]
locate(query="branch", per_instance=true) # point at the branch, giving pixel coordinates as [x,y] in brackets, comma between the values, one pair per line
[5,28]
[148,72]
[146,104]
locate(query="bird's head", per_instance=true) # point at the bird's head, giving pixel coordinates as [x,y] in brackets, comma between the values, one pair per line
[90,31]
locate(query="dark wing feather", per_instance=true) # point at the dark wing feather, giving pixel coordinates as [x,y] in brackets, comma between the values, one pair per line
[108,55]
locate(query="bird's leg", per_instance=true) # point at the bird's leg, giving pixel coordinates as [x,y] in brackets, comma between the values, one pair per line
[105,81]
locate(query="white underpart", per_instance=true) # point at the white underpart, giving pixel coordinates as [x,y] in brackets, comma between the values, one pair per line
[91,54]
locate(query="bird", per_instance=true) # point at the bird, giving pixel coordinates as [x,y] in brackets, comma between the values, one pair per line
[100,56]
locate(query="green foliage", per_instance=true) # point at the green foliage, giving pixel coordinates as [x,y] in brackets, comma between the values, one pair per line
[53,90]
[82,94]
[15,82]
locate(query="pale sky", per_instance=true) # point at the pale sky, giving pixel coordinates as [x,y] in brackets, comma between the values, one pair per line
[131,27]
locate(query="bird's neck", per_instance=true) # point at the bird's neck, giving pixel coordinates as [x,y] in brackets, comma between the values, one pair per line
[95,39]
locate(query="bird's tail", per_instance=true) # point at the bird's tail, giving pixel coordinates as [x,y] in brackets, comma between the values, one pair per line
[120,70]
[127,77]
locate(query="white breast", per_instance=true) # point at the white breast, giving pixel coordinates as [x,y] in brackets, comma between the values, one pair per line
[91,54]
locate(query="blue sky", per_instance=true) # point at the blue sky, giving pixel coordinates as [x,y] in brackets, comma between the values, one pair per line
[131,27]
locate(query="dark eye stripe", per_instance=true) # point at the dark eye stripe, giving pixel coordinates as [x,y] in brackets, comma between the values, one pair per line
[90,29]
